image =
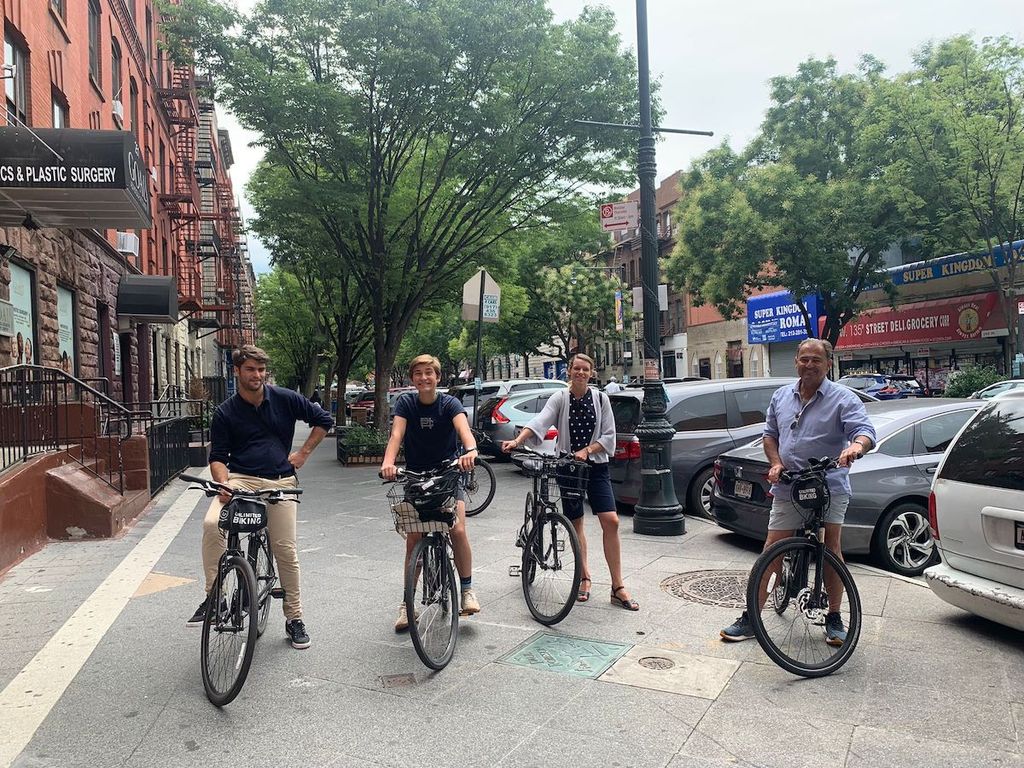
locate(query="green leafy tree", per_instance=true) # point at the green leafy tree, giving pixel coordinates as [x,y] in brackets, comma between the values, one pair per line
[288,329]
[803,208]
[953,132]
[420,135]
[300,246]
[970,379]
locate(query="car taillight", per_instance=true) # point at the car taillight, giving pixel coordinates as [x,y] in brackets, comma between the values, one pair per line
[933,517]
[627,449]
[552,434]
[497,417]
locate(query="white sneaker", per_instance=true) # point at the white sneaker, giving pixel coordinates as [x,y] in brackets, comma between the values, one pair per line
[470,604]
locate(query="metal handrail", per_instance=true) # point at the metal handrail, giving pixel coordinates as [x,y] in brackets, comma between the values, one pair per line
[45,409]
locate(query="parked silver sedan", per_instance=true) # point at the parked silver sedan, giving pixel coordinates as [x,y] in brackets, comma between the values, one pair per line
[888,513]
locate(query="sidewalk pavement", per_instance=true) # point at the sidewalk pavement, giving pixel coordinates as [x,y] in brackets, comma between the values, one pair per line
[929,685]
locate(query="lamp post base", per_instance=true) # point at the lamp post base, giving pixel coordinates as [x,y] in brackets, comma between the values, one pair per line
[658,512]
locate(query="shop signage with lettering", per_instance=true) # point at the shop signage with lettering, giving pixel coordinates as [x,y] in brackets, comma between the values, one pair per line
[957,319]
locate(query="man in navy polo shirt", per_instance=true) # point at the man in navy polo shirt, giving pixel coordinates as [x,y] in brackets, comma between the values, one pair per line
[251,437]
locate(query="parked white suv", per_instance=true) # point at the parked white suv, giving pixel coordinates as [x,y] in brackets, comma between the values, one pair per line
[976,510]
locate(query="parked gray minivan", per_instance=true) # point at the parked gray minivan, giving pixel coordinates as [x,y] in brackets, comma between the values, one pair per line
[709,417]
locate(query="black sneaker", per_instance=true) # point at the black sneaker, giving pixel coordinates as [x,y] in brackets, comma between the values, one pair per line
[738,631]
[198,616]
[296,631]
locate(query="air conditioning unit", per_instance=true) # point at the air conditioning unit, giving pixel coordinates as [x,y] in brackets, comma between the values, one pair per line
[118,108]
[627,355]
[128,242]
[154,175]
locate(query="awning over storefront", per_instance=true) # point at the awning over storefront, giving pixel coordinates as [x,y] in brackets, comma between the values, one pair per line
[961,318]
[77,179]
[148,299]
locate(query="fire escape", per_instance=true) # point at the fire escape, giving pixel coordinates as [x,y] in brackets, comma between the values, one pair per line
[181,201]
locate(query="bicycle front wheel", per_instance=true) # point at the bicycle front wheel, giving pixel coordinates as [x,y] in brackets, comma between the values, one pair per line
[787,605]
[551,568]
[432,602]
[229,632]
[479,489]
[266,578]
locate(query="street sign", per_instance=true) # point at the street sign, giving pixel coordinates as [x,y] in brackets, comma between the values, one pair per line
[638,298]
[616,216]
[651,369]
[1020,307]
[471,298]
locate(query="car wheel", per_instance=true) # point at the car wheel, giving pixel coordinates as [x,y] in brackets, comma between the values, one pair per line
[698,501]
[903,541]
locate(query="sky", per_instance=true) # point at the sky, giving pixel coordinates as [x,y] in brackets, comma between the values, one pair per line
[714,59]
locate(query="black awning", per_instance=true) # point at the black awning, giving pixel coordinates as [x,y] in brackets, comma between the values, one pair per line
[90,179]
[148,298]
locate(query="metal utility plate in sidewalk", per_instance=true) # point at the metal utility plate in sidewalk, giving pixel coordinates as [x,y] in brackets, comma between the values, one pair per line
[672,672]
[569,655]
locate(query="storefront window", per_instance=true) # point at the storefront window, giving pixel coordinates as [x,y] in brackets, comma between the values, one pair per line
[24,306]
[66,330]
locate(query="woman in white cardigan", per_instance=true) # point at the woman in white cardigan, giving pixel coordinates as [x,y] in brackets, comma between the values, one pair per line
[586,427]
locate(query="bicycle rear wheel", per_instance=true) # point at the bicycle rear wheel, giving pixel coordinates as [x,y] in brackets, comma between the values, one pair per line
[793,634]
[432,602]
[229,633]
[480,487]
[266,579]
[551,568]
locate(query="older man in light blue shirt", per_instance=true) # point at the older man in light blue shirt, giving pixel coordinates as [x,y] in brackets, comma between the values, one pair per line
[813,418]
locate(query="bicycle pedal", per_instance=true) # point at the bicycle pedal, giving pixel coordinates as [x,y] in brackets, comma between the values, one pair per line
[515,570]
[277,593]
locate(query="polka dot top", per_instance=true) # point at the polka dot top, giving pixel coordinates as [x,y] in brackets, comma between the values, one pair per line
[582,421]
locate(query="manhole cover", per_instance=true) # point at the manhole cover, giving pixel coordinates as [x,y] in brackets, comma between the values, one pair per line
[726,589]
[656,662]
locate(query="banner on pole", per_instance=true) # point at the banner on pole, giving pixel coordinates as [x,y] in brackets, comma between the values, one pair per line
[619,319]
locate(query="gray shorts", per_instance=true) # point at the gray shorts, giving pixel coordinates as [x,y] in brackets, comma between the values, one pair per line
[786,516]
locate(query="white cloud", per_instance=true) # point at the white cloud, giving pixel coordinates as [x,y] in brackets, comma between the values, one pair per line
[714,57]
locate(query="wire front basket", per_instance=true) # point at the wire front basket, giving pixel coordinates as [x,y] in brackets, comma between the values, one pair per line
[572,476]
[408,519]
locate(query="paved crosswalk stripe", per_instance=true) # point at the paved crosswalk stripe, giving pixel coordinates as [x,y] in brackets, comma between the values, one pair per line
[29,697]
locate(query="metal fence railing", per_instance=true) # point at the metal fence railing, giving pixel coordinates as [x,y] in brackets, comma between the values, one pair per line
[168,450]
[45,409]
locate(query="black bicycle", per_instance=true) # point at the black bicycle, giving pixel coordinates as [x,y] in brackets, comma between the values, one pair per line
[424,502]
[245,577]
[551,566]
[788,599]
[479,484]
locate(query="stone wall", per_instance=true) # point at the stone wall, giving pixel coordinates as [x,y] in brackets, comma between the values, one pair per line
[83,262]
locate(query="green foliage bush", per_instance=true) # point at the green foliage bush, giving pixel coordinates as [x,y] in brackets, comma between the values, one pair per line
[358,435]
[970,379]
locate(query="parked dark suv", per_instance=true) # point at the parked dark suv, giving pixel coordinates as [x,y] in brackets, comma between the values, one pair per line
[709,417]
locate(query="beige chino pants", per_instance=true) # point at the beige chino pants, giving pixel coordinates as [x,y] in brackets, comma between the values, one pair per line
[280,528]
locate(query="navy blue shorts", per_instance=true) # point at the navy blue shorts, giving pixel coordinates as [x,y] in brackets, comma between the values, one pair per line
[599,494]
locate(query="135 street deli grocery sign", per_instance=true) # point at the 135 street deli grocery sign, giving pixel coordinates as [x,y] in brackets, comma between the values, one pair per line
[959,319]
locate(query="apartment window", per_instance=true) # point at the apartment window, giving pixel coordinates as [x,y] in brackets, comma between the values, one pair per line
[15,81]
[94,40]
[159,67]
[115,70]
[60,8]
[149,37]
[133,105]
[60,111]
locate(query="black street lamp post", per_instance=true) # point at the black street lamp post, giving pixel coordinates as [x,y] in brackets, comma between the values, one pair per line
[658,512]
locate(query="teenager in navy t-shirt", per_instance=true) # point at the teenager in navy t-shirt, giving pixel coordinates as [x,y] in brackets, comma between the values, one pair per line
[429,424]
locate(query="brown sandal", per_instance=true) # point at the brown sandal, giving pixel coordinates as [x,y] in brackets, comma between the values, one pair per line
[628,603]
[584,594]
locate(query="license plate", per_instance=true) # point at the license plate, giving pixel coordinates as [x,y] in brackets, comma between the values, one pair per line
[743,490]
[1020,534]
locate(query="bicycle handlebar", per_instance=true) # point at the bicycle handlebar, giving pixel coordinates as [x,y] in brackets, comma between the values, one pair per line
[815,466]
[213,488]
[409,474]
[562,458]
